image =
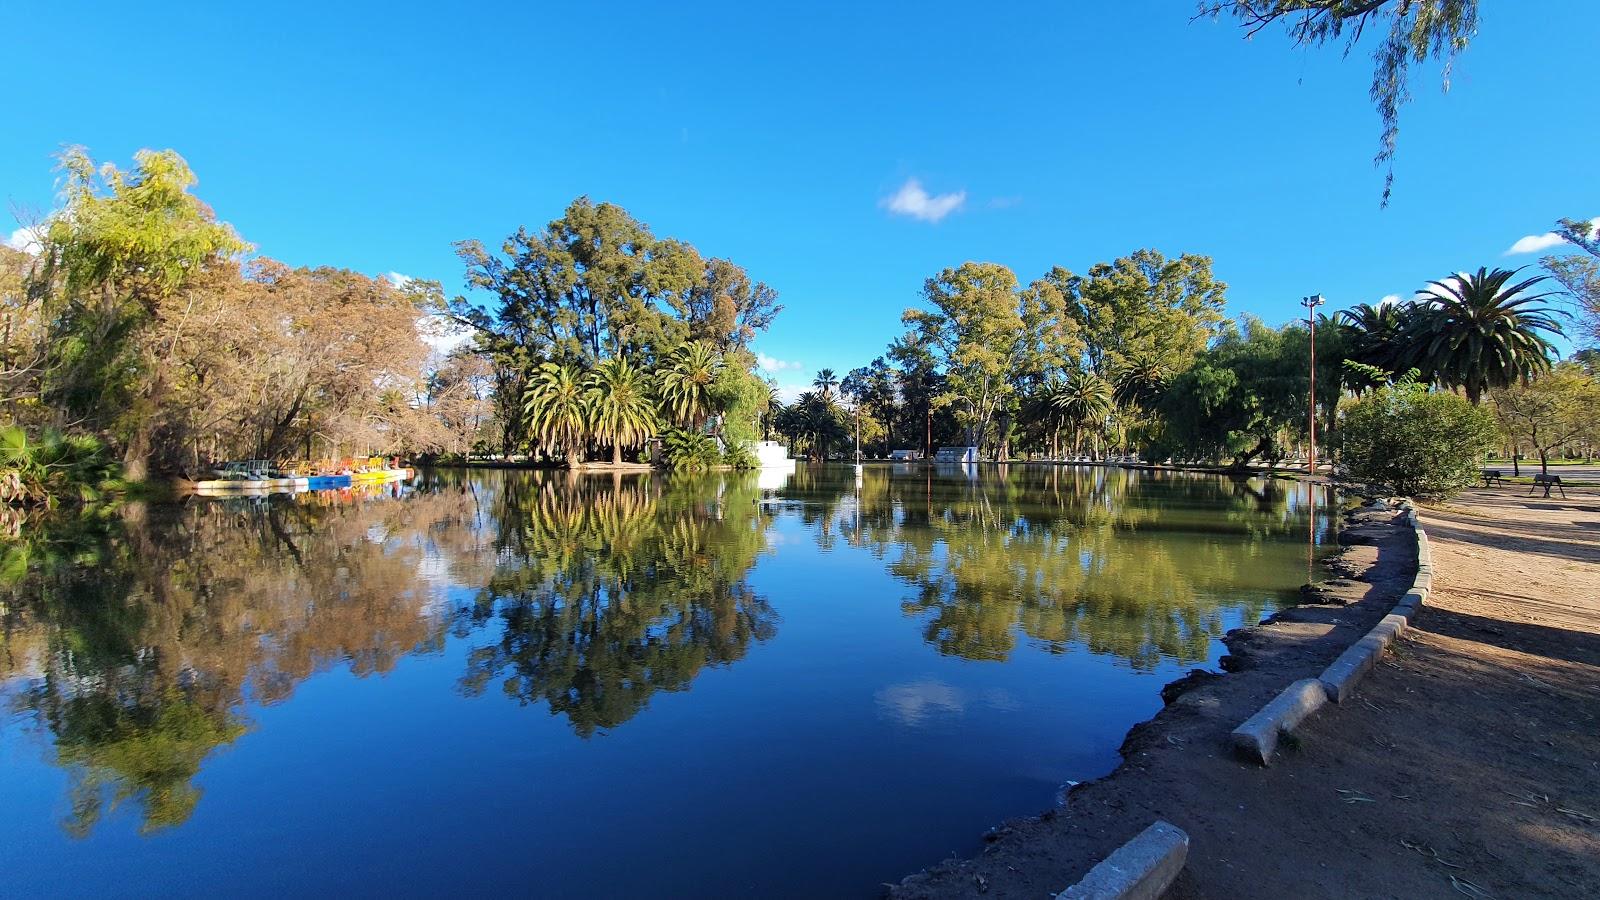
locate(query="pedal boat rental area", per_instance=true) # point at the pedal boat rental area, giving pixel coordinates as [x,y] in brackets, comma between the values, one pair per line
[260,476]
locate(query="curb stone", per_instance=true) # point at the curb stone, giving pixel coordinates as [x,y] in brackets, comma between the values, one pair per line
[1141,869]
[1257,739]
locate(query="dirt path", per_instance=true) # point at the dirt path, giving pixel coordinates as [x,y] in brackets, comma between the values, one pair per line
[1468,765]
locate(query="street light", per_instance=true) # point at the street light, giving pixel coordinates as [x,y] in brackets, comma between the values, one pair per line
[1311,303]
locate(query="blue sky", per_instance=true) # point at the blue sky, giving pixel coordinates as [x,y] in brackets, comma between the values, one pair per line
[372,136]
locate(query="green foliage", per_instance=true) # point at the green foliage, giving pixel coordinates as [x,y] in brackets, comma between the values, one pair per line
[1579,275]
[1241,398]
[1476,332]
[596,284]
[120,245]
[742,399]
[1376,339]
[685,383]
[740,456]
[975,330]
[1142,309]
[813,423]
[556,405]
[686,450]
[53,467]
[1415,441]
[1550,412]
[621,411]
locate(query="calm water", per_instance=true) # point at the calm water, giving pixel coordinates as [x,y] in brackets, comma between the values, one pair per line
[538,683]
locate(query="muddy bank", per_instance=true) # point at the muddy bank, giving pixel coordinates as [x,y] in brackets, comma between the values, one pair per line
[1179,766]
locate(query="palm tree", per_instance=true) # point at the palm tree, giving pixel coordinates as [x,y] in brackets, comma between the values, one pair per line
[815,417]
[1377,334]
[1039,412]
[1082,400]
[1140,382]
[825,382]
[621,411]
[556,409]
[1474,333]
[770,413]
[685,385]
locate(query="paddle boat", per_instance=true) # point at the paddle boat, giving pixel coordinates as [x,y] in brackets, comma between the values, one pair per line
[254,477]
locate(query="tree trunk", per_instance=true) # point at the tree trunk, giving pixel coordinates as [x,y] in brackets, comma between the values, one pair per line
[136,458]
[616,453]
[1544,462]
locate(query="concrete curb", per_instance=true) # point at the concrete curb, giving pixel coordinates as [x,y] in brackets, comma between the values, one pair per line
[1141,869]
[1257,739]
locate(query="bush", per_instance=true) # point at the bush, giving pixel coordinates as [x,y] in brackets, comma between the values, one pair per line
[1418,442]
[689,451]
[52,467]
[740,456]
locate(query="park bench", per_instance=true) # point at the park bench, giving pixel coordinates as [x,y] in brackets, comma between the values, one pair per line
[1548,482]
[1492,477]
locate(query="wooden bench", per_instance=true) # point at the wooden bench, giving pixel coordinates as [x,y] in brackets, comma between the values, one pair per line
[1547,482]
[1492,477]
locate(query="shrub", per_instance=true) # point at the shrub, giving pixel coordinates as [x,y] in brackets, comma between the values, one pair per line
[1417,442]
[689,451]
[739,456]
[39,471]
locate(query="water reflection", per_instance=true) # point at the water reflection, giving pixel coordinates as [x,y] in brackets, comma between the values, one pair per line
[137,646]
[612,589]
[1131,563]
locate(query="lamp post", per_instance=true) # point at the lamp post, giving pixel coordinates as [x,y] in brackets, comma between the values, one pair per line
[1311,303]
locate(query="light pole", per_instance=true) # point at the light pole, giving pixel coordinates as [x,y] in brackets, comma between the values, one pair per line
[1311,303]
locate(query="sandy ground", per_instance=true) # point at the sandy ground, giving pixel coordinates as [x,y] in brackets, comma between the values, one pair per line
[1468,764]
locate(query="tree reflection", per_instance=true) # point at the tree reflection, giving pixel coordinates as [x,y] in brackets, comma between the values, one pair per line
[136,643]
[617,588]
[1130,563]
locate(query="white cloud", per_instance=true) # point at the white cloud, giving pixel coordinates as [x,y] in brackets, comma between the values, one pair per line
[774,365]
[398,280]
[1390,298]
[912,200]
[1534,243]
[914,703]
[24,239]
[789,393]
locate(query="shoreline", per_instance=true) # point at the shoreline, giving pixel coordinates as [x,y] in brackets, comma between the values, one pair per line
[1164,773]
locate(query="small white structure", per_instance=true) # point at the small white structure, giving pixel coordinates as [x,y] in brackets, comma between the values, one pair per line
[956,455]
[905,456]
[773,455]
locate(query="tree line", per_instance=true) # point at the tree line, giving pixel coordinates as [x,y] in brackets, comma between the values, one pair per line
[141,336]
[140,328]
[1139,357]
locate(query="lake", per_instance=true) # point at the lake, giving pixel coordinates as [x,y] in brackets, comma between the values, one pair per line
[595,684]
